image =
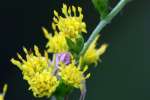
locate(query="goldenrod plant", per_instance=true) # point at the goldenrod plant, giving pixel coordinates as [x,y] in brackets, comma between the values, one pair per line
[56,77]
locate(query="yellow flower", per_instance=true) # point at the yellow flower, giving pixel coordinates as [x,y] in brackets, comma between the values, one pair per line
[4,92]
[43,84]
[70,25]
[37,72]
[32,64]
[56,43]
[92,55]
[73,75]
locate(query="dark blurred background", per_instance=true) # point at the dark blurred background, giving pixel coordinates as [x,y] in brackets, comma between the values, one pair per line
[124,73]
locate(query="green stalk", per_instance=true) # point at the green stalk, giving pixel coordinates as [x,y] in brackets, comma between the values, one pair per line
[103,23]
[57,98]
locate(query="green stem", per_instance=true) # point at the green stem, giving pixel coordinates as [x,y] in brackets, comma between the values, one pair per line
[103,23]
[57,98]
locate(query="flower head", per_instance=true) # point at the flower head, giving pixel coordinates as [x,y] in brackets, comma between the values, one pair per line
[72,75]
[32,64]
[92,55]
[71,25]
[56,43]
[43,84]
[37,72]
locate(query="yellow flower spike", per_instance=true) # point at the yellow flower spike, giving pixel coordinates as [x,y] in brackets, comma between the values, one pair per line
[4,92]
[71,25]
[72,75]
[93,55]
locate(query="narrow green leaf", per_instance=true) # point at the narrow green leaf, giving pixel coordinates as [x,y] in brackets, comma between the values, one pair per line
[75,47]
[79,44]
[59,98]
[70,43]
[102,7]
[63,89]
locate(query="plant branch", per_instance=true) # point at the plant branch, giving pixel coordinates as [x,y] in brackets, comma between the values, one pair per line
[103,23]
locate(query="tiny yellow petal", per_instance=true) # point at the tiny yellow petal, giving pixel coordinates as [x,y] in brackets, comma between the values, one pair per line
[25,50]
[36,49]
[16,62]
[5,88]
[56,13]
[45,32]
[69,11]
[74,10]
[102,49]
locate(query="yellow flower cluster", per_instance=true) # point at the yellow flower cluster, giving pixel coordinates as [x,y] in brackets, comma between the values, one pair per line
[92,55]
[4,92]
[71,25]
[72,75]
[43,84]
[37,72]
[43,75]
